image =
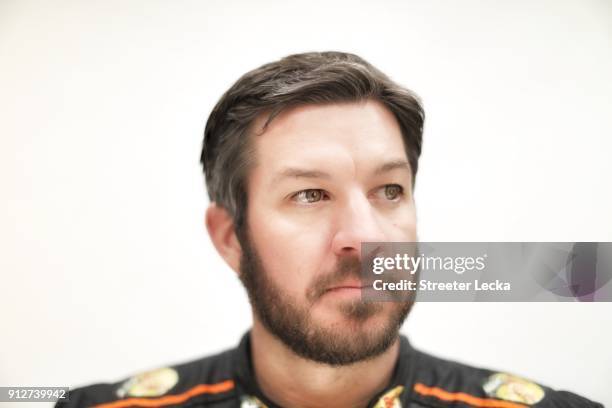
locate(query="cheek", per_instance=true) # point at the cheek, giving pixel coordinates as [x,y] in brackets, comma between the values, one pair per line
[403,228]
[291,252]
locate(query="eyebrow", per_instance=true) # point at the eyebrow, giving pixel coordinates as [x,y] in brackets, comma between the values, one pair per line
[294,172]
[392,165]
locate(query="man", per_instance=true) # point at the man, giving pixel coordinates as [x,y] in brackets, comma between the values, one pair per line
[306,158]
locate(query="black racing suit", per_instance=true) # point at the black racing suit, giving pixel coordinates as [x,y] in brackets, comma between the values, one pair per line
[419,380]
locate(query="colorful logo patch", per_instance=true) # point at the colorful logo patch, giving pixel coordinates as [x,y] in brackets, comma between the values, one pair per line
[391,398]
[149,384]
[512,388]
[248,401]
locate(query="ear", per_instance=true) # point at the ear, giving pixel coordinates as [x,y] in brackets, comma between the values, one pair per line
[220,226]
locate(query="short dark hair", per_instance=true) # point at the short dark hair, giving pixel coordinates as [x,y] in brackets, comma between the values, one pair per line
[299,79]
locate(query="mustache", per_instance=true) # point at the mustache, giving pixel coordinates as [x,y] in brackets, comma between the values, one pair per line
[347,267]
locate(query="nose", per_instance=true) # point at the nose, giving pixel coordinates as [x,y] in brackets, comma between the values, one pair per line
[357,222]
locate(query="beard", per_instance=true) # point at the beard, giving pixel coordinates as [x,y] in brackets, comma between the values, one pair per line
[293,324]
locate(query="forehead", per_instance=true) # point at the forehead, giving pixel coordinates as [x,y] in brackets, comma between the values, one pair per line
[357,132]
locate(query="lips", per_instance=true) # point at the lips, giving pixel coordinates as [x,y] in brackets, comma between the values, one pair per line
[347,285]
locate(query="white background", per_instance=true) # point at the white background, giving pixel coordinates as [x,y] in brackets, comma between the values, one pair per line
[106,265]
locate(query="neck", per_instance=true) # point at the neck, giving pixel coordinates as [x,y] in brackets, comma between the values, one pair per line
[292,381]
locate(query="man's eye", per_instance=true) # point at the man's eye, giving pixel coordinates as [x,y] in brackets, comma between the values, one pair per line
[393,191]
[309,196]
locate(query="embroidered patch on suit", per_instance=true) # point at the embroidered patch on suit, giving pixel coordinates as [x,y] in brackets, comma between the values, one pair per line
[248,401]
[391,399]
[512,388]
[149,384]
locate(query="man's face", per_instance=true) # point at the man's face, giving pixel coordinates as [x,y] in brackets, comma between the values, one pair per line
[326,179]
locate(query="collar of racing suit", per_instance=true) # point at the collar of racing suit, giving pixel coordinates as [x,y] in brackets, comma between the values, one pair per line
[397,392]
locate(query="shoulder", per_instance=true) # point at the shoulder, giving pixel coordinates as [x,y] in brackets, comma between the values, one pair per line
[440,382]
[206,380]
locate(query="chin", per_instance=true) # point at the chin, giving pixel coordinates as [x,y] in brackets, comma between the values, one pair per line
[345,316]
